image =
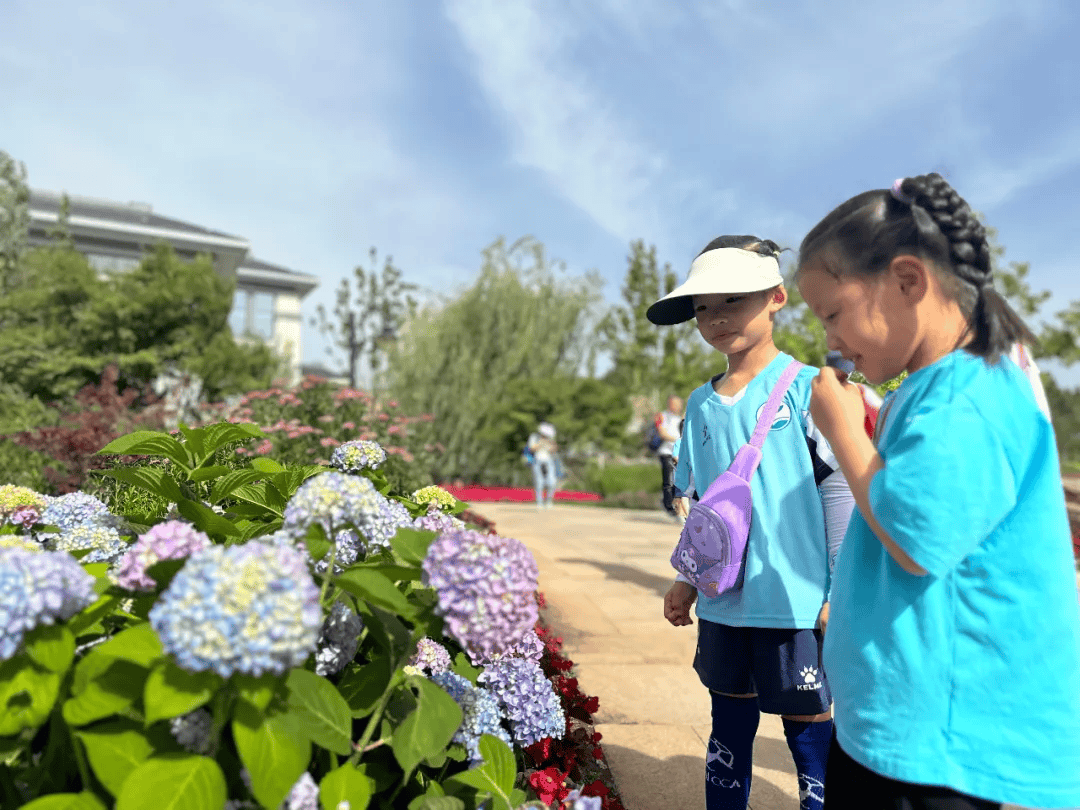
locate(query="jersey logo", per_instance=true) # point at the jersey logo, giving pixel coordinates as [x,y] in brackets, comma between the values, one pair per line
[782,418]
[718,752]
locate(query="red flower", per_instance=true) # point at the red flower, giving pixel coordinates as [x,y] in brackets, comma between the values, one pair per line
[549,784]
[596,788]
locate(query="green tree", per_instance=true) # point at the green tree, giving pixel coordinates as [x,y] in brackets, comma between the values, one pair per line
[14,218]
[796,330]
[367,318]
[461,359]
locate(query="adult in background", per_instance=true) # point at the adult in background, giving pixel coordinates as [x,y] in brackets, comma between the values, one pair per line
[544,449]
[669,429]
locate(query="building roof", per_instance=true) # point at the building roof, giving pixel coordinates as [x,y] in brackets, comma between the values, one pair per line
[257,270]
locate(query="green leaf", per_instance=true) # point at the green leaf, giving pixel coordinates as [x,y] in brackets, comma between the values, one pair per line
[428,729]
[138,644]
[389,633]
[262,494]
[362,686]
[317,544]
[194,439]
[289,481]
[411,545]
[346,784]
[66,801]
[374,587]
[91,614]
[230,481]
[205,518]
[27,694]
[171,691]
[103,686]
[174,782]
[222,433]
[207,473]
[436,803]
[256,691]
[154,481]
[150,443]
[266,465]
[163,571]
[274,749]
[496,775]
[51,646]
[115,749]
[326,717]
[464,668]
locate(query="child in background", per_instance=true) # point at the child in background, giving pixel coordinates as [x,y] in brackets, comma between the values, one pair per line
[544,451]
[954,644]
[759,647]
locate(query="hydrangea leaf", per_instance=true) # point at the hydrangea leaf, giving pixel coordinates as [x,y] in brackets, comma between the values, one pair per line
[496,776]
[157,482]
[194,438]
[266,465]
[51,646]
[150,443]
[346,784]
[326,716]
[171,691]
[27,694]
[138,644]
[363,686]
[411,545]
[257,691]
[115,749]
[66,801]
[221,434]
[375,588]
[105,687]
[390,633]
[208,473]
[205,518]
[436,803]
[174,782]
[263,495]
[427,730]
[229,482]
[274,749]
[90,616]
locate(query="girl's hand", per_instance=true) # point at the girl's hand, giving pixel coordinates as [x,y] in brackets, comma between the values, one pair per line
[680,597]
[836,405]
[823,618]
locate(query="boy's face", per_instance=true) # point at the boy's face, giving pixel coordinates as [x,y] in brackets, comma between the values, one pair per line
[735,322]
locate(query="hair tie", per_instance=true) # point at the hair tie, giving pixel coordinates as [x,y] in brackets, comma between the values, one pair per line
[898,192]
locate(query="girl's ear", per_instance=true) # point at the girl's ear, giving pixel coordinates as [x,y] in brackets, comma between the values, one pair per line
[778,298]
[912,275]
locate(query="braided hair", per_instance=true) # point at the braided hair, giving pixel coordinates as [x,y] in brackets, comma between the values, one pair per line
[763,247]
[923,216]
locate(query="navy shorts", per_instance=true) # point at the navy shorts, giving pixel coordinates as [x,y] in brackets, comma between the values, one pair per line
[781,666]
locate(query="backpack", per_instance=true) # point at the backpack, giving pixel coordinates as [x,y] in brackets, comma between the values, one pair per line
[712,547]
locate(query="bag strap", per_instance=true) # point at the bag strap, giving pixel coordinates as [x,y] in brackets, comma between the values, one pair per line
[768,413]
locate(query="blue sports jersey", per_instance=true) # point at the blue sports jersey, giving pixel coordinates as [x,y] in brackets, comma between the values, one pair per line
[786,572]
[969,676]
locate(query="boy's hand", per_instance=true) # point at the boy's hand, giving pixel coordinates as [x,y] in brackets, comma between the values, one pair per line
[682,507]
[680,597]
[836,405]
[823,618]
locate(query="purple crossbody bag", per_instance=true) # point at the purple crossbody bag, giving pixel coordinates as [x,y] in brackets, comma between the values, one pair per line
[712,547]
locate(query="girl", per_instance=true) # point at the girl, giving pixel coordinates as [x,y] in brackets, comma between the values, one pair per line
[954,645]
[543,447]
[758,649]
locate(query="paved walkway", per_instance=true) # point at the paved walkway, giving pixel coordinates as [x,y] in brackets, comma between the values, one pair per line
[604,573]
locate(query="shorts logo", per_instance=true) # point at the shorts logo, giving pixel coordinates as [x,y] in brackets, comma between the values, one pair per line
[718,752]
[810,788]
[810,679]
[782,418]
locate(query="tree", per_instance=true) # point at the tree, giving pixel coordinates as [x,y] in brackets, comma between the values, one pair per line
[369,317]
[462,359]
[14,218]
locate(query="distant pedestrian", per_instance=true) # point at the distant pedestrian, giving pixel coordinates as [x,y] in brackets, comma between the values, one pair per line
[545,462]
[669,431]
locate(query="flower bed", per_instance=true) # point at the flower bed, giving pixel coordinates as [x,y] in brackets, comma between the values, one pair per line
[292,637]
[477,493]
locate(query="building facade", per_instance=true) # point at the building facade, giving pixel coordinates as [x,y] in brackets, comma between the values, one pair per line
[116,236]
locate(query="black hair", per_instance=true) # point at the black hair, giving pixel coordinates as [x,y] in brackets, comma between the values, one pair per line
[923,216]
[764,247]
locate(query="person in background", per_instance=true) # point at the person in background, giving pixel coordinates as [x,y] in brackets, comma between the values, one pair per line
[669,429]
[544,450]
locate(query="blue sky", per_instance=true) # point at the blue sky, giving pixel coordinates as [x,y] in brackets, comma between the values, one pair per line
[427,129]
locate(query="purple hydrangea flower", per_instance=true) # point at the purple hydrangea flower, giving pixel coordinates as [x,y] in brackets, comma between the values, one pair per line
[341,504]
[528,646]
[486,587]
[104,542]
[304,794]
[338,640]
[392,516]
[439,522]
[192,730]
[36,588]
[527,699]
[20,505]
[579,802]
[171,540]
[430,657]
[251,608]
[359,454]
[480,712]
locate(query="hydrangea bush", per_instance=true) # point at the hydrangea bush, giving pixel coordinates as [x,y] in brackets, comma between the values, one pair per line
[286,637]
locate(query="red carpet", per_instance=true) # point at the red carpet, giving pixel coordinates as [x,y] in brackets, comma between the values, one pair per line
[478,494]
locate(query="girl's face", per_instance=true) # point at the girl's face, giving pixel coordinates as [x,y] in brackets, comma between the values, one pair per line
[863,318]
[736,322]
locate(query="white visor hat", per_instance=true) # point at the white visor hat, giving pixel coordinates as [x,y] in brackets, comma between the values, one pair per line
[721,270]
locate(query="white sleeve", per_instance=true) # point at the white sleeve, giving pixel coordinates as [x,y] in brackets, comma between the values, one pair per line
[838,503]
[1022,357]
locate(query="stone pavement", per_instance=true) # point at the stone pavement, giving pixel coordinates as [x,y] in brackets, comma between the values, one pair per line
[604,573]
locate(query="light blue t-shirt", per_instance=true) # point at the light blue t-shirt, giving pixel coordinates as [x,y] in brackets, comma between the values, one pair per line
[786,571]
[967,677]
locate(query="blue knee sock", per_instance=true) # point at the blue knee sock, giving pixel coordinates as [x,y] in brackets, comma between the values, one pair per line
[809,744]
[729,760]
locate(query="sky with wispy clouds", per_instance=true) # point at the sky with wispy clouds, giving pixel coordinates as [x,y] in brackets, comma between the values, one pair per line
[427,129]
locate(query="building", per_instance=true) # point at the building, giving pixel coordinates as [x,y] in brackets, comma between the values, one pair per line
[115,236]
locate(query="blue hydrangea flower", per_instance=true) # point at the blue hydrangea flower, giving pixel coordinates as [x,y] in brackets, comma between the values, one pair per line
[527,699]
[252,608]
[430,657]
[73,509]
[359,454]
[346,506]
[104,542]
[578,802]
[338,640]
[439,522]
[480,712]
[486,587]
[192,730]
[304,794]
[392,516]
[36,588]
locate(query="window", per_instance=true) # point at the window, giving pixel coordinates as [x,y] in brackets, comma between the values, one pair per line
[252,314]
